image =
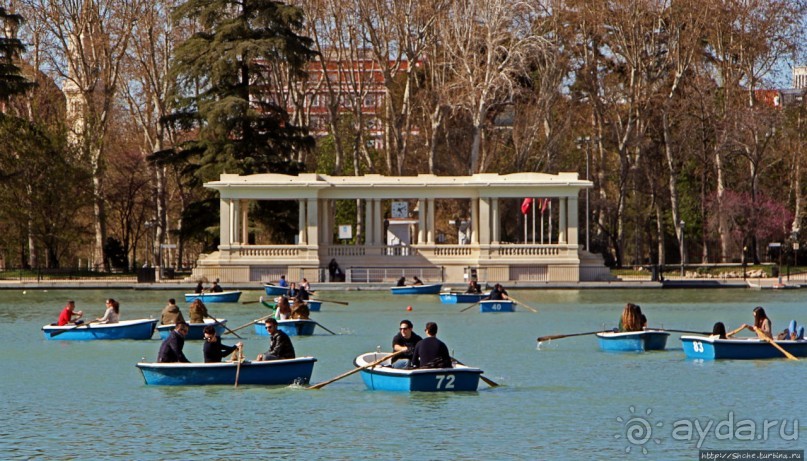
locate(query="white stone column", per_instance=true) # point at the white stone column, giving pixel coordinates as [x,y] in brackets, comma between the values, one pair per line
[378,223]
[484,221]
[369,223]
[573,221]
[235,221]
[562,212]
[301,230]
[244,222]
[224,222]
[494,221]
[430,221]
[313,224]
[474,227]
[421,221]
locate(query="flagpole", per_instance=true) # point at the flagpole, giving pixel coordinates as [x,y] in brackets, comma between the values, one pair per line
[533,221]
[550,221]
[542,223]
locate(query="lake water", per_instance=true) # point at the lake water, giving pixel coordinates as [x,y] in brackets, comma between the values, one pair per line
[564,400]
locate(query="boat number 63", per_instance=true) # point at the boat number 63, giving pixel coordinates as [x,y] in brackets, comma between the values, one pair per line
[445,381]
[697,346]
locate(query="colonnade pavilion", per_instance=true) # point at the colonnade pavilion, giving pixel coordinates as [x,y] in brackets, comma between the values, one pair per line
[403,230]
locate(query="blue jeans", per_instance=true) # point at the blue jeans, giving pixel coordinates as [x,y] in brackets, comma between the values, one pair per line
[401,364]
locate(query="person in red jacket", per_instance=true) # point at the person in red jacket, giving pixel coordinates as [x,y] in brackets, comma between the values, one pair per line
[67,314]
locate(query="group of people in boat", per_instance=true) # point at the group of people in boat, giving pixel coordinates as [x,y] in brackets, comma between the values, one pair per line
[215,288]
[418,352]
[172,348]
[633,319]
[415,282]
[762,326]
[69,314]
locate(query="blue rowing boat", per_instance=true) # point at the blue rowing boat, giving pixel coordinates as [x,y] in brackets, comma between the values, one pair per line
[704,347]
[454,297]
[633,341]
[274,290]
[431,289]
[195,330]
[271,373]
[385,378]
[502,305]
[221,297]
[299,327]
[125,329]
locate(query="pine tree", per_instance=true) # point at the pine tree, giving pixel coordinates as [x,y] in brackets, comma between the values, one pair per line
[12,82]
[228,87]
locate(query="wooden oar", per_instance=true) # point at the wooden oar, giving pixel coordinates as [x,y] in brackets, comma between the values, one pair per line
[57,333]
[770,341]
[472,305]
[551,337]
[250,302]
[687,331]
[225,326]
[489,381]
[240,358]
[329,331]
[522,304]
[355,370]
[251,323]
[331,301]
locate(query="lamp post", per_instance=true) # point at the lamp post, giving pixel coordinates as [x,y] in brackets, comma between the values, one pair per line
[794,237]
[579,141]
[683,247]
[745,249]
[151,223]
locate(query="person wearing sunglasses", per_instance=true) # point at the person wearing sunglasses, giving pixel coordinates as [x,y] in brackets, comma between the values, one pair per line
[404,340]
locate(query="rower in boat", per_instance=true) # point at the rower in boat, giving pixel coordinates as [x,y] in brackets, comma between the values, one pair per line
[67,314]
[632,318]
[498,293]
[761,324]
[171,315]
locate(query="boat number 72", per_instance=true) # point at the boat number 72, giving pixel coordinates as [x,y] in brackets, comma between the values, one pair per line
[697,346]
[447,379]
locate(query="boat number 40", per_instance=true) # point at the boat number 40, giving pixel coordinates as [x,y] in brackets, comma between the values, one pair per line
[697,346]
[496,307]
[445,381]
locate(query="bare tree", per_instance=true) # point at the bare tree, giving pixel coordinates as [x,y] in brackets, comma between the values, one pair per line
[84,43]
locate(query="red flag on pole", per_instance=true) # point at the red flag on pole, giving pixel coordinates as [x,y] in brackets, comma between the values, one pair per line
[543,207]
[525,205]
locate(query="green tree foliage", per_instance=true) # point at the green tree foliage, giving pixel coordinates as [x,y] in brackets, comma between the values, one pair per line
[44,191]
[12,82]
[229,93]
[225,76]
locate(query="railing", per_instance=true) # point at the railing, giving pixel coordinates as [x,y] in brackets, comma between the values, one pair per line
[269,251]
[391,274]
[43,274]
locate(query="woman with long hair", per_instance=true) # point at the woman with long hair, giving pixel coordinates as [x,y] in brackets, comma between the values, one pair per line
[112,313]
[631,319]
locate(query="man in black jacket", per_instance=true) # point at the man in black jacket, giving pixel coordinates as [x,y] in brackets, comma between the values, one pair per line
[171,348]
[213,349]
[280,346]
[431,352]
